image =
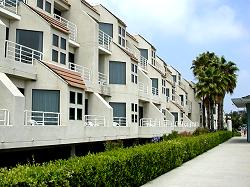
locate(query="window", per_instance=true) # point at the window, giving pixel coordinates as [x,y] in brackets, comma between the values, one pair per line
[72,97]
[154,86]
[119,109]
[72,113]
[39,4]
[62,58]
[48,7]
[107,28]
[121,36]
[63,43]
[174,78]
[79,98]
[54,55]
[117,72]
[55,40]
[153,57]
[76,101]
[72,57]
[134,115]
[134,75]
[144,53]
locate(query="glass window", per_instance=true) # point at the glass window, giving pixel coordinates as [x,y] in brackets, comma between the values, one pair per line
[63,43]
[119,109]
[71,113]
[79,114]
[62,58]
[39,4]
[55,40]
[48,7]
[133,118]
[135,107]
[117,72]
[54,55]
[106,28]
[72,97]
[79,98]
[132,107]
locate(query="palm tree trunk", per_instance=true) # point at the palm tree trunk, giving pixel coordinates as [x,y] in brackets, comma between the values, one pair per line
[203,113]
[208,117]
[221,112]
[219,116]
[212,115]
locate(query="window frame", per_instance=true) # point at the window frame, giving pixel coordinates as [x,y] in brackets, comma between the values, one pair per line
[122,36]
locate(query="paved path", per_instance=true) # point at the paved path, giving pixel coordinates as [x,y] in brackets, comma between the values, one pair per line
[227,165]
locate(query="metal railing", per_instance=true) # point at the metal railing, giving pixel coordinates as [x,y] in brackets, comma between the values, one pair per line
[41,118]
[143,63]
[71,26]
[119,121]
[20,53]
[102,79]
[104,40]
[143,89]
[10,5]
[4,117]
[84,71]
[94,120]
[149,122]
[155,91]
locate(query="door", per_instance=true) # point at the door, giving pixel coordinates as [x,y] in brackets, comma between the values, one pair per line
[140,113]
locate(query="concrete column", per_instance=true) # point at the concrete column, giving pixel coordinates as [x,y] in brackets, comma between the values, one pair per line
[248,121]
[73,150]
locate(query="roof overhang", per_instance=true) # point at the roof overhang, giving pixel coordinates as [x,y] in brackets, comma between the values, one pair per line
[241,102]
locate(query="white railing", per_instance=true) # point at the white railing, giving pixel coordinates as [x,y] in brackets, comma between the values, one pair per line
[84,71]
[20,53]
[143,89]
[119,121]
[10,5]
[154,91]
[143,63]
[167,99]
[41,118]
[102,79]
[71,26]
[4,117]
[149,122]
[104,40]
[94,120]
[168,123]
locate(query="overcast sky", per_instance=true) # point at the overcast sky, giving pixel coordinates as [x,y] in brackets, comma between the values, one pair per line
[182,29]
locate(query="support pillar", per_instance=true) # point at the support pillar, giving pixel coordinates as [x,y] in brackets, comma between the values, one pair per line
[248,121]
[73,150]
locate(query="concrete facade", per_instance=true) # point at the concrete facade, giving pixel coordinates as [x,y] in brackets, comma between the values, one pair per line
[155,102]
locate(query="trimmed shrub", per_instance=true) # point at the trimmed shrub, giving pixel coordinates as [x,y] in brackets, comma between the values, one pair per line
[200,130]
[122,167]
[112,145]
[236,132]
[171,136]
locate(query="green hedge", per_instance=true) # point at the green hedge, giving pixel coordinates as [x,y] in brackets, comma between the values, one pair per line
[123,167]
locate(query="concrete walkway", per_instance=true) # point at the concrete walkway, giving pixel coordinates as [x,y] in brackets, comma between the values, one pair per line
[227,165]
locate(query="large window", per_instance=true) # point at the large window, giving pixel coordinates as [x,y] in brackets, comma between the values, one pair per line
[59,45]
[134,74]
[106,28]
[144,53]
[31,39]
[44,4]
[154,86]
[122,36]
[119,109]
[117,72]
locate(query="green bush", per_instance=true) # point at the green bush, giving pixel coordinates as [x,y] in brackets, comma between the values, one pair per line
[122,167]
[236,133]
[112,145]
[200,130]
[171,136]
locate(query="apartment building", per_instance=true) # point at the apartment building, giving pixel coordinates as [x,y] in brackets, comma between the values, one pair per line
[71,73]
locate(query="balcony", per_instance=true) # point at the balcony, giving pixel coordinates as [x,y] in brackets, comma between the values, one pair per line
[8,9]
[19,53]
[104,42]
[4,117]
[71,26]
[155,91]
[120,122]
[84,71]
[143,63]
[34,118]
[149,122]
[176,99]
[103,82]
[94,121]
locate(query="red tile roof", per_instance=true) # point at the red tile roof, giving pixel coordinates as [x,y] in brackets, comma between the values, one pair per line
[52,21]
[72,78]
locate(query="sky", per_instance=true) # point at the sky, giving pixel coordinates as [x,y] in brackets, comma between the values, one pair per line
[182,29]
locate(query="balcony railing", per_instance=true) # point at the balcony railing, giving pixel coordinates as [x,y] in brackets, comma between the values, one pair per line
[84,71]
[4,117]
[155,91]
[119,121]
[143,89]
[41,118]
[71,26]
[104,40]
[9,5]
[20,53]
[102,79]
[143,63]
[94,120]
[149,122]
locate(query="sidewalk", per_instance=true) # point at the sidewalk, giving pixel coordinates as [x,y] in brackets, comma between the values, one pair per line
[227,165]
